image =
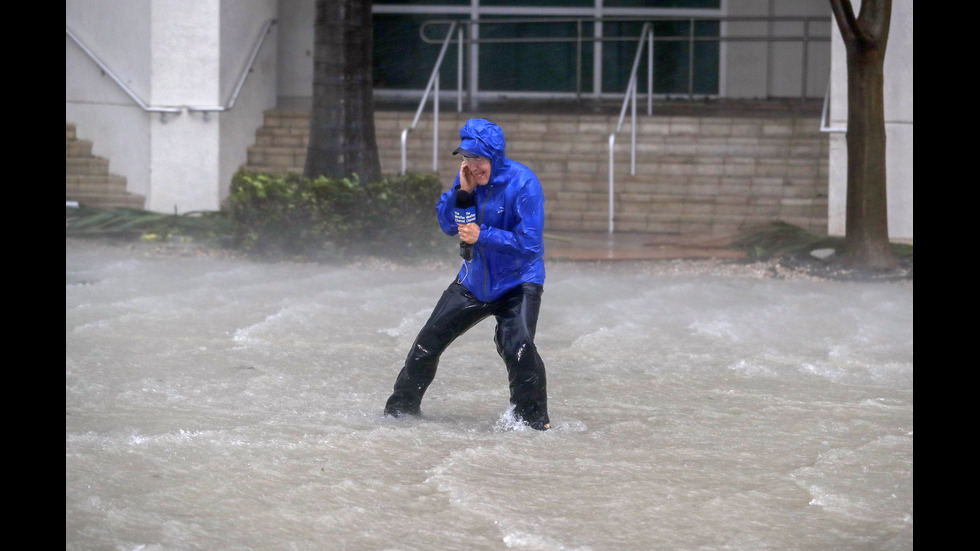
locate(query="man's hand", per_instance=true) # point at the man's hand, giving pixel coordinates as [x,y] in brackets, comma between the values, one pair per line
[467,182]
[469,233]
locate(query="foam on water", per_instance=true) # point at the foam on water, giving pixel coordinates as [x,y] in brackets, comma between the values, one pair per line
[226,404]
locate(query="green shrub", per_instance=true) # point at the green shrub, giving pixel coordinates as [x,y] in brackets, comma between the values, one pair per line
[296,216]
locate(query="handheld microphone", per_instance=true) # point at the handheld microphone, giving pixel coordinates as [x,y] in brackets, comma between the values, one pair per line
[465,213]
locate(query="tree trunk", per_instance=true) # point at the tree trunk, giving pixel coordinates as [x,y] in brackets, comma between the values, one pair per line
[342,140]
[866,225]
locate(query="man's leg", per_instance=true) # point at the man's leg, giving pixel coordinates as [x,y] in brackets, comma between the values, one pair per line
[517,318]
[456,312]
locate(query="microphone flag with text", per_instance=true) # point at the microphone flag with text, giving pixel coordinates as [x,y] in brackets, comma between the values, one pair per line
[465,213]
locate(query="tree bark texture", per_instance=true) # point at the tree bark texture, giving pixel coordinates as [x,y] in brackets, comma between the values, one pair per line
[342,140]
[866,224]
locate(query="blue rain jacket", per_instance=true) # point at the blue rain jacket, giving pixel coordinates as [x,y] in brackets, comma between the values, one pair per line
[510,213]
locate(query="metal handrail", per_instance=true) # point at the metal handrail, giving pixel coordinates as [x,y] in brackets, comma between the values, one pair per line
[245,72]
[803,37]
[631,99]
[434,85]
[164,111]
[825,115]
[579,39]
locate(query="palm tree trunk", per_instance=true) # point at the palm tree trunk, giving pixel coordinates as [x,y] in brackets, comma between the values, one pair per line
[342,140]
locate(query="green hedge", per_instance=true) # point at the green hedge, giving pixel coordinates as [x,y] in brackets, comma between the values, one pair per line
[296,216]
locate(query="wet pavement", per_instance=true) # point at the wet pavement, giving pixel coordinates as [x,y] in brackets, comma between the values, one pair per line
[588,246]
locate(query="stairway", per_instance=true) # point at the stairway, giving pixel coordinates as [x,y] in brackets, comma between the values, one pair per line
[87,178]
[707,175]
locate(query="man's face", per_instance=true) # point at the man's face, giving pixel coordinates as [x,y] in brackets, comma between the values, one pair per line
[479,168]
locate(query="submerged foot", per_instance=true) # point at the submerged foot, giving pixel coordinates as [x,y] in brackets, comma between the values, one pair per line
[533,418]
[536,422]
[396,412]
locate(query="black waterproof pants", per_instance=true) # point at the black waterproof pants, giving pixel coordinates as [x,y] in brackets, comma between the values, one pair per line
[457,311]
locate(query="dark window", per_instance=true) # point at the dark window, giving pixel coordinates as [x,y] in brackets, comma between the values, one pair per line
[402,61]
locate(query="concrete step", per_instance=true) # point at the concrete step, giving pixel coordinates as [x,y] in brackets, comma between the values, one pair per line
[388,166]
[276,157]
[272,170]
[598,127]
[286,118]
[78,148]
[594,146]
[282,137]
[87,177]
[86,165]
[693,174]
[107,201]
[102,191]
[732,138]
[678,204]
[676,224]
[87,183]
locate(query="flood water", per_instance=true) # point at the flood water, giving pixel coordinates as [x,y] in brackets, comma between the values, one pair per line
[215,403]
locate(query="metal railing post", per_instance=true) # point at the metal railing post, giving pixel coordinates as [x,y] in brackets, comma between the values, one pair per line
[690,60]
[433,82]
[472,85]
[435,125]
[803,70]
[459,72]
[578,62]
[630,98]
[649,73]
[633,130]
[612,188]
[825,114]
[404,139]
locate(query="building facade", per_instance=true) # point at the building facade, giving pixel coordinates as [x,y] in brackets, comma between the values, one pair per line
[172,91]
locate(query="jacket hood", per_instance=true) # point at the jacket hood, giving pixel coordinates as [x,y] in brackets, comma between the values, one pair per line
[483,138]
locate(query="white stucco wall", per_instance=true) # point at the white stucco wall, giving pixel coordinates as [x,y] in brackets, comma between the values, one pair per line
[295,78]
[186,63]
[191,52]
[898,127]
[116,32]
[242,25]
[172,53]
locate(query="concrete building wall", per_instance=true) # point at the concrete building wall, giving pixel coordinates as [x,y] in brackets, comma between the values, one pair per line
[184,42]
[745,66]
[117,32]
[898,126]
[183,54]
[776,69]
[242,27]
[295,79]
[190,53]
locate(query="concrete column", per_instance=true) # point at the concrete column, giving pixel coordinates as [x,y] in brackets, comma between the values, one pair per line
[186,64]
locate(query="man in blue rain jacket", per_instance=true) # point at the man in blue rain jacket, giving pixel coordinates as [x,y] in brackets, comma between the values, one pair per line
[504,278]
